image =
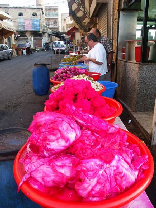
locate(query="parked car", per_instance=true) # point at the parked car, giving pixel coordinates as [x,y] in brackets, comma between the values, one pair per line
[22,47]
[5,52]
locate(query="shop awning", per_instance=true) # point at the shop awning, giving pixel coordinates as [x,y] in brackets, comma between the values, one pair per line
[4,15]
[71,31]
[6,29]
[79,13]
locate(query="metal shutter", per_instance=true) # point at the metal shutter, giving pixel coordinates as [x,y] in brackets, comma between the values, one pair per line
[38,42]
[102,20]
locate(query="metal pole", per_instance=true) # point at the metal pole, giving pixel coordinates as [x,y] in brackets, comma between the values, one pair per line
[59,54]
[51,62]
[154,126]
[145,33]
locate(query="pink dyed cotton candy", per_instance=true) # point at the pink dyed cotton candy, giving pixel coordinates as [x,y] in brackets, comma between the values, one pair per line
[100,180]
[80,155]
[48,173]
[51,133]
[80,94]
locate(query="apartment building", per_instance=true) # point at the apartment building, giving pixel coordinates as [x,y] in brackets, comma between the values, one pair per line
[65,22]
[52,18]
[29,23]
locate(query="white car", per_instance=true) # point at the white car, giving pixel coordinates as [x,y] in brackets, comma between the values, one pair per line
[5,52]
[59,47]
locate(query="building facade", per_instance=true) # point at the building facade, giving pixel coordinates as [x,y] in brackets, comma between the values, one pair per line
[65,22]
[29,23]
[52,18]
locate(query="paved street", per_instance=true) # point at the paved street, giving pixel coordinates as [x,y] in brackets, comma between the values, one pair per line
[18,102]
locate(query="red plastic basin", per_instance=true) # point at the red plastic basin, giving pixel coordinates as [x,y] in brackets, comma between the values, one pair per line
[52,91]
[125,197]
[94,75]
[112,102]
[54,82]
[103,90]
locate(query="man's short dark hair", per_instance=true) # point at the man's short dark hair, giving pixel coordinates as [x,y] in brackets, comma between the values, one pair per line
[98,31]
[91,36]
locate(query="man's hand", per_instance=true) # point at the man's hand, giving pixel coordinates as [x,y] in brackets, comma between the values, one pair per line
[93,60]
[81,59]
[87,60]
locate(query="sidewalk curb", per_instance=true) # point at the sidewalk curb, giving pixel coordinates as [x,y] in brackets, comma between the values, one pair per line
[145,134]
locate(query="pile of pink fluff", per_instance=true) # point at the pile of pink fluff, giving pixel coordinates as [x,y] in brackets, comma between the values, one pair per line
[67,72]
[80,157]
[79,94]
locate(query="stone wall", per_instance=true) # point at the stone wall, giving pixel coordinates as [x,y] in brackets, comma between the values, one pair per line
[137,85]
[146,87]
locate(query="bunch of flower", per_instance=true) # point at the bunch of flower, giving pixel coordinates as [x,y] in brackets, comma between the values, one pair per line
[67,72]
[80,94]
[96,85]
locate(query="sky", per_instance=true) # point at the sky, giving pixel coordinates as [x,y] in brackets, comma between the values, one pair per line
[33,2]
[18,2]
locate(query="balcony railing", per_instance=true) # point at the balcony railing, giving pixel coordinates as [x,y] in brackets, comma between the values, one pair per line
[53,26]
[51,15]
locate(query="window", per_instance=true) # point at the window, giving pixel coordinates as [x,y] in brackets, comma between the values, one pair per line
[1,48]
[20,14]
[34,14]
[5,47]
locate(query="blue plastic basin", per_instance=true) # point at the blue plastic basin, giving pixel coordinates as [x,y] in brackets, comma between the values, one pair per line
[82,66]
[110,88]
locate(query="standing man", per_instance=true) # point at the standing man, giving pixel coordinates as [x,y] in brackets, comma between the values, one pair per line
[96,57]
[109,51]
[27,48]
